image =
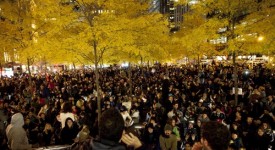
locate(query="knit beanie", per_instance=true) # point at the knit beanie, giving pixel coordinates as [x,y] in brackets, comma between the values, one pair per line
[168,127]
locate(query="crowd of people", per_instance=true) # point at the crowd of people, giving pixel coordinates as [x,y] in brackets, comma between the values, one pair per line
[164,106]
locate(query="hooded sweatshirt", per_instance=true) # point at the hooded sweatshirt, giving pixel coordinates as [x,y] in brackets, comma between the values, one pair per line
[17,137]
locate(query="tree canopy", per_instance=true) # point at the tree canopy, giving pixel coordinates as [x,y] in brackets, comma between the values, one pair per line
[239,23]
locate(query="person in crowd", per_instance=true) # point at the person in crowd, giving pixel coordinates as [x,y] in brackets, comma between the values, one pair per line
[248,129]
[154,94]
[3,124]
[150,137]
[226,109]
[267,128]
[43,109]
[236,141]
[17,137]
[214,136]
[270,104]
[197,126]
[235,127]
[69,132]
[217,115]
[167,139]
[47,135]
[156,132]
[83,135]
[238,117]
[190,133]
[66,113]
[188,146]
[261,140]
[41,121]
[175,112]
[176,130]
[135,114]
[111,132]
[267,116]
[126,116]
[32,127]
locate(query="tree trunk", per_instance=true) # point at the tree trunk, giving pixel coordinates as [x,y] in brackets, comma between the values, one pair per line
[97,82]
[12,65]
[74,65]
[1,69]
[235,78]
[141,61]
[141,66]
[101,63]
[235,69]
[198,60]
[29,70]
[41,67]
[45,65]
[130,79]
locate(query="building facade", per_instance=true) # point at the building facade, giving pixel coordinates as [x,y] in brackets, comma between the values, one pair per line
[174,12]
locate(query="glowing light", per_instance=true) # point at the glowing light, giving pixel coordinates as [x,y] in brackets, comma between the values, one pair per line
[260,38]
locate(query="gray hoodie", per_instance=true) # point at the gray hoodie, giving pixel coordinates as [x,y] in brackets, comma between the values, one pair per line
[17,137]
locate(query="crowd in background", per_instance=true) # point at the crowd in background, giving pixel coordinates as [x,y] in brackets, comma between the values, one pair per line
[61,108]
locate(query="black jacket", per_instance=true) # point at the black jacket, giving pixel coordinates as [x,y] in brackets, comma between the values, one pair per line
[93,144]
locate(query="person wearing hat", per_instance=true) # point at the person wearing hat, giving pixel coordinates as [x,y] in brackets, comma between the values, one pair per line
[17,136]
[168,140]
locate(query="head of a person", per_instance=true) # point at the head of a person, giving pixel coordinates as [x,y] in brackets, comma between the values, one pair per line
[153,120]
[265,126]
[171,97]
[199,122]
[168,130]
[69,122]
[218,110]
[67,107]
[269,98]
[204,115]
[238,108]
[175,105]
[260,132]
[215,136]
[234,135]
[123,109]
[42,115]
[17,120]
[249,119]
[172,121]
[238,114]
[188,146]
[111,125]
[191,124]
[235,125]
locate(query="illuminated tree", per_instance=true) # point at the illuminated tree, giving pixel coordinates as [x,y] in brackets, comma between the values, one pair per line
[25,22]
[236,21]
[112,30]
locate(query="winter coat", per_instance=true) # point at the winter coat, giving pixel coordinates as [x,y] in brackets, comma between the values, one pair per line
[168,142]
[69,134]
[17,137]
[100,144]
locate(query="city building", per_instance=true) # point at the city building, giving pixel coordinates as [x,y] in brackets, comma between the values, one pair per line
[174,12]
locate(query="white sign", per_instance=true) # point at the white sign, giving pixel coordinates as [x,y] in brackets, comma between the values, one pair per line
[240,91]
